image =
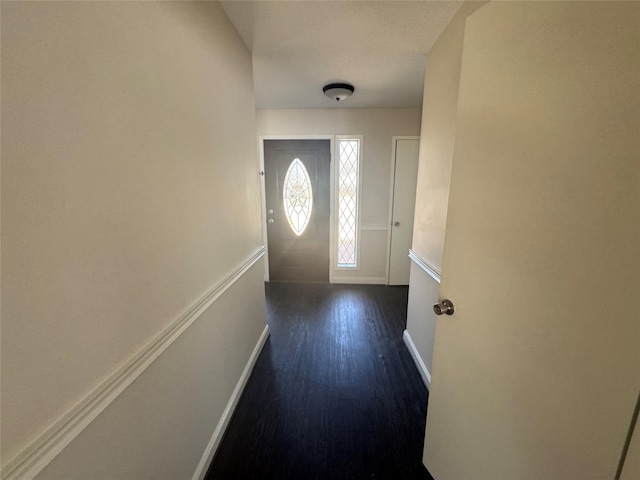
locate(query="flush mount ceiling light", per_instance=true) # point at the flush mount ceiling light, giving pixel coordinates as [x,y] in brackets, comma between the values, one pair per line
[338,91]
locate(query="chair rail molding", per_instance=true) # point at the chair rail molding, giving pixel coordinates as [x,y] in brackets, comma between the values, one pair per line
[359,280]
[373,227]
[432,271]
[41,451]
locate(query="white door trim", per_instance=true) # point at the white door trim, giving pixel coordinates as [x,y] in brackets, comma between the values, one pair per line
[392,178]
[263,193]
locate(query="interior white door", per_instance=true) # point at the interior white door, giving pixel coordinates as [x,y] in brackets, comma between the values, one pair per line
[405,174]
[536,373]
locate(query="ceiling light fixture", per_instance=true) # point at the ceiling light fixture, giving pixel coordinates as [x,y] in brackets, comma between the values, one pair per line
[338,91]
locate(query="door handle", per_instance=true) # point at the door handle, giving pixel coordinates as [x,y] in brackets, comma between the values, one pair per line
[444,307]
[396,224]
[271,220]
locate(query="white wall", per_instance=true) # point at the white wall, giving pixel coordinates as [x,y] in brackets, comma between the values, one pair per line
[421,324]
[119,158]
[378,126]
[442,78]
[159,427]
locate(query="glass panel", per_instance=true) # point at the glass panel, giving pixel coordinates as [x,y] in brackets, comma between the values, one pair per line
[297,196]
[347,203]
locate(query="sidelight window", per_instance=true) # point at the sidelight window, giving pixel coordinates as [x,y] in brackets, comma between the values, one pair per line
[297,196]
[348,201]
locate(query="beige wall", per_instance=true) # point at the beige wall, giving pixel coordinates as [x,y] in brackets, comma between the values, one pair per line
[536,375]
[120,157]
[378,126]
[158,428]
[442,78]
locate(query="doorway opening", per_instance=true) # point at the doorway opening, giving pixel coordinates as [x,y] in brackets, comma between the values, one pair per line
[404,174]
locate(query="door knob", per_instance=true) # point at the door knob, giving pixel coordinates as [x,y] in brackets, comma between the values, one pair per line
[271,220]
[396,224]
[444,307]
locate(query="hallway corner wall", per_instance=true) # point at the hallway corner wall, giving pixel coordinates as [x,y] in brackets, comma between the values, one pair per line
[121,249]
[442,77]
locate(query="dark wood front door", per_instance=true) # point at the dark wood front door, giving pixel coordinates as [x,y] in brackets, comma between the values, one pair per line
[297,193]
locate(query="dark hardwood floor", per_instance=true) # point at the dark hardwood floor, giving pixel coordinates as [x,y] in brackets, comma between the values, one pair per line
[334,394]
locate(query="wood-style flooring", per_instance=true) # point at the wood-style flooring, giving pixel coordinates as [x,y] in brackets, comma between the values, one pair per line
[334,394]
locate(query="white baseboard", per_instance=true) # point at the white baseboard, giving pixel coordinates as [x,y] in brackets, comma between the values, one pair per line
[37,455]
[216,438]
[360,280]
[422,368]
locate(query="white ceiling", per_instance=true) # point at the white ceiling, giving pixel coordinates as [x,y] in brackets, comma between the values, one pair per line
[377,46]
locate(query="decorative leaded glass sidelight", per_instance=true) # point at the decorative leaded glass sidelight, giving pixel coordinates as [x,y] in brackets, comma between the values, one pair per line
[348,202]
[297,196]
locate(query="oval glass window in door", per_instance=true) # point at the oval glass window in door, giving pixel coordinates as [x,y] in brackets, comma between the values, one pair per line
[297,196]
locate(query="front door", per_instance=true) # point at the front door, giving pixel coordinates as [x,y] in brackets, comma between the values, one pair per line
[297,197]
[536,373]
